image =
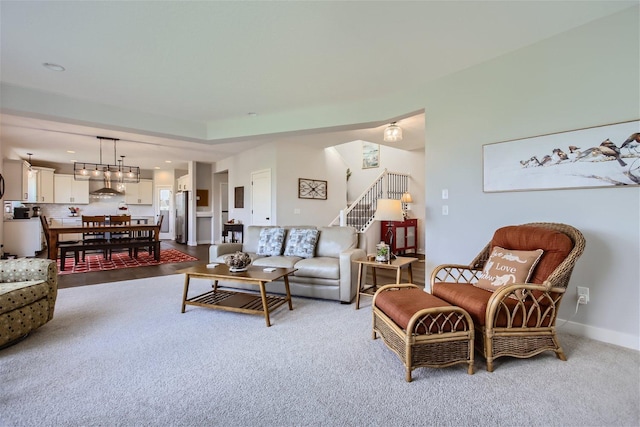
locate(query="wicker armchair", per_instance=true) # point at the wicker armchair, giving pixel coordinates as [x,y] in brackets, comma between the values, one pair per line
[28,291]
[516,319]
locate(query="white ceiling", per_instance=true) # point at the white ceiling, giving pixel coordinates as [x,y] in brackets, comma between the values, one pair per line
[208,64]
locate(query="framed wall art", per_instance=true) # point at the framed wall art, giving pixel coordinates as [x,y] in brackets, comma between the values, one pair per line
[370,155]
[312,189]
[601,156]
[238,197]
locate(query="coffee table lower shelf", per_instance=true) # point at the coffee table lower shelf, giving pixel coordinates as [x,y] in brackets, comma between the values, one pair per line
[240,302]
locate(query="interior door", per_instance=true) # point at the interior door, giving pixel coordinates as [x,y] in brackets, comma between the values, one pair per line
[261,197]
[165,207]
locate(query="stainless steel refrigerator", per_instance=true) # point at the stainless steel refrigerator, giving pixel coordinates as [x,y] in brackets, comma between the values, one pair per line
[182,216]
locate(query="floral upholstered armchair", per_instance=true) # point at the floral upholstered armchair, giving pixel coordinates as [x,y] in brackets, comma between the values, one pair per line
[28,291]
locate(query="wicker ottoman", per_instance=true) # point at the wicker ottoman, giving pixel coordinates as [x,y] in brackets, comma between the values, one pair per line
[423,330]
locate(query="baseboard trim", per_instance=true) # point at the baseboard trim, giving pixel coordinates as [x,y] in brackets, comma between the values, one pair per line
[600,334]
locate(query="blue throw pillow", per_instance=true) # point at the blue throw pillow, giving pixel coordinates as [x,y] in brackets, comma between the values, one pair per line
[271,241]
[302,242]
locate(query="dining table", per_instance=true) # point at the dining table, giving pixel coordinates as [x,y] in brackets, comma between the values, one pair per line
[54,232]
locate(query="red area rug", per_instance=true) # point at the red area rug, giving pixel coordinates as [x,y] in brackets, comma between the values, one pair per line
[96,262]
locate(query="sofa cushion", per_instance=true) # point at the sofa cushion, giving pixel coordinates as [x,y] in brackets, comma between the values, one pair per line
[506,267]
[277,261]
[334,240]
[555,244]
[321,267]
[301,242]
[271,241]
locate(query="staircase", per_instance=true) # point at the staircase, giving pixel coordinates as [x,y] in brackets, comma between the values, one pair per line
[388,185]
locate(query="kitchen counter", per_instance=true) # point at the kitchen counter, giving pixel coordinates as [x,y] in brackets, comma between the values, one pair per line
[23,237]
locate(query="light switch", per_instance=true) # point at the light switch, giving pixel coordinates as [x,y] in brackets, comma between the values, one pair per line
[445,209]
[445,194]
[296,211]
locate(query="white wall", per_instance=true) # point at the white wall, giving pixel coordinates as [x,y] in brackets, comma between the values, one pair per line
[583,78]
[288,162]
[394,160]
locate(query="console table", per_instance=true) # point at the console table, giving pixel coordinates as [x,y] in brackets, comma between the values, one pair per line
[405,235]
[233,229]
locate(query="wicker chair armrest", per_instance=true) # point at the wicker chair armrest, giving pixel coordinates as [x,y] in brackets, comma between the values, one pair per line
[456,273]
[533,301]
[439,320]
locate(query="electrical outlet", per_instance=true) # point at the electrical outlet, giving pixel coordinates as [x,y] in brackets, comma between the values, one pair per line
[583,295]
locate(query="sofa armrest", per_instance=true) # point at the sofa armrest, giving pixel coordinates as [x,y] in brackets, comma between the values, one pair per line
[349,274]
[455,273]
[223,249]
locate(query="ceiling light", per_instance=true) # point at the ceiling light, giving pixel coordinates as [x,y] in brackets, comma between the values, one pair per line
[86,171]
[30,168]
[53,67]
[167,161]
[393,133]
[70,151]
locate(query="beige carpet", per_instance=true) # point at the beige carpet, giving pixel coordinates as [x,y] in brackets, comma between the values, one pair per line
[122,354]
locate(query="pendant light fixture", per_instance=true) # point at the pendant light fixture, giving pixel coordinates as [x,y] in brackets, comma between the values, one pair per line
[85,171]
[393,133]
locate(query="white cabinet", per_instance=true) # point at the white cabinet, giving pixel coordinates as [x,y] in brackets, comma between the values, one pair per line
[16,179]
[140,193]
[22,237]
[68,190]
[184,183]
[41,185]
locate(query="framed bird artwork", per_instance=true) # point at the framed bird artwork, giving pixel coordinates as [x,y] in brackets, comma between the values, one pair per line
[599,156]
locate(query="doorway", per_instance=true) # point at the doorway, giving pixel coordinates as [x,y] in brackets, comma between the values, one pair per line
[261,197]
[165,208]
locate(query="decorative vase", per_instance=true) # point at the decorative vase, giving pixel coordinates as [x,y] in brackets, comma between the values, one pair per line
[238,262]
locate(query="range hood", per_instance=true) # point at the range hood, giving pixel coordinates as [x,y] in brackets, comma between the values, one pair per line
[106,191]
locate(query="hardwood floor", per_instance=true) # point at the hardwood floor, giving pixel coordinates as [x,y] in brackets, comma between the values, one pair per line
[80,279]
[202,253]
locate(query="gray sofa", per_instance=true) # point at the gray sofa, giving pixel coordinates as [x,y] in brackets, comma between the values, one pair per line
[328,274]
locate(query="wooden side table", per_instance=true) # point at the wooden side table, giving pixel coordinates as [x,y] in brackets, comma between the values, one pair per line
[395,264]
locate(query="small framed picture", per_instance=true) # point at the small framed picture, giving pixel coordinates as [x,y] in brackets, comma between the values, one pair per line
[370,155]
[238,201]
[312,189]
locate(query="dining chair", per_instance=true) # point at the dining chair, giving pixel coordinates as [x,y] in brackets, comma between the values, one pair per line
[94,237]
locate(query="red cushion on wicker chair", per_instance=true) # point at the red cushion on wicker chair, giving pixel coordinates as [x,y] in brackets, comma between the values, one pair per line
[401,305]
[555,244]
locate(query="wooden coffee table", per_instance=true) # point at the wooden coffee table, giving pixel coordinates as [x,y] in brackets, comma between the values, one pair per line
[396,264]
[240,302]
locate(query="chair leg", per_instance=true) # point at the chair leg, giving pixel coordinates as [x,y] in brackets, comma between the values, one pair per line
[63,258]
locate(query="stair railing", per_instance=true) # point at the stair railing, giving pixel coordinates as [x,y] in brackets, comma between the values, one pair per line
[360,213]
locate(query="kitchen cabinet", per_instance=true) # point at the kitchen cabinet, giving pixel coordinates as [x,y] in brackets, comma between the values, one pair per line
[405,235]
[184,183]
[16,178]
[140,193]
[22,237]
[68,190]
[41,185]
